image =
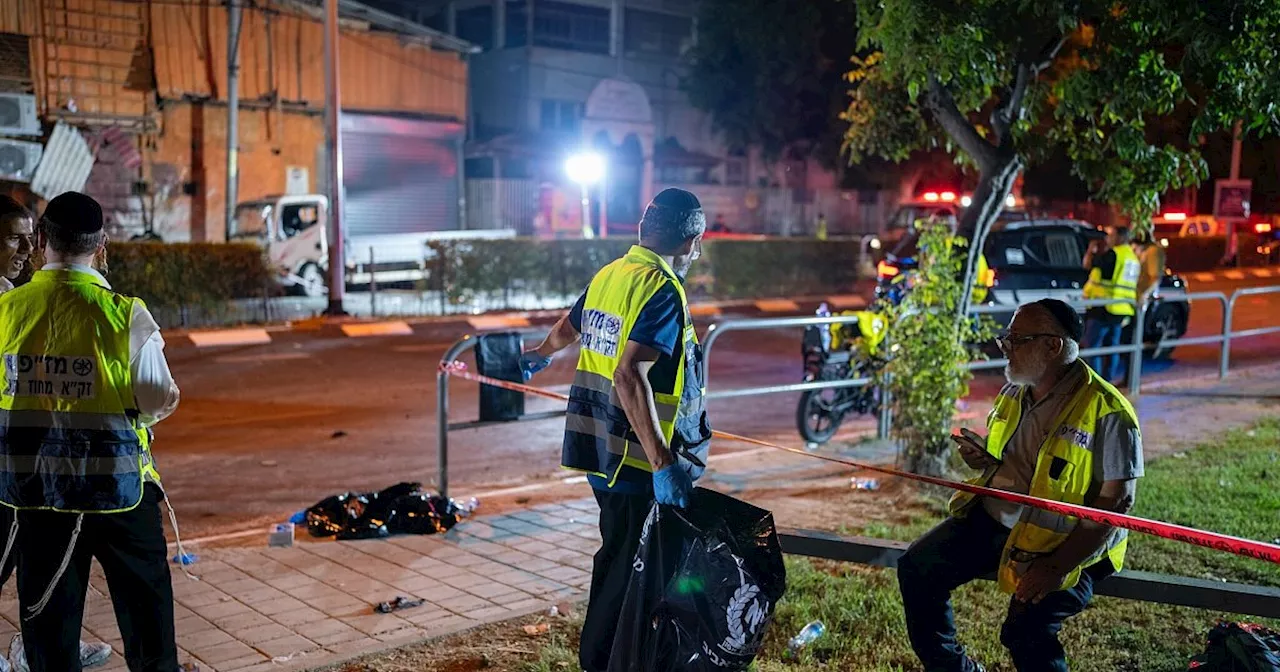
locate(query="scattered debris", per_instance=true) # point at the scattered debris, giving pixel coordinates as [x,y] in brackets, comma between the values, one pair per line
[280,534]
[1180,455]
[564,609]
[397,604]
[338,434]
[522,500]
[865,483]
[185,559]
[538,629]
[284,659]
[269,463]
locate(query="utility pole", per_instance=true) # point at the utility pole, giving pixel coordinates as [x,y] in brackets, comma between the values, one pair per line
[333,157]
[233,112]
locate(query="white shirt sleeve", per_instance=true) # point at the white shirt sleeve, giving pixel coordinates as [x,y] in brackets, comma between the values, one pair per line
[153,387]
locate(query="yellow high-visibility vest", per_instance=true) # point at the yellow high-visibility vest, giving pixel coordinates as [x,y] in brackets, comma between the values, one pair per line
[1123,283]
[71,441]
[599,439]
[1063,473]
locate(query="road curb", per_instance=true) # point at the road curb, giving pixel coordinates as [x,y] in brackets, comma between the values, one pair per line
[326,327]
[1236,274]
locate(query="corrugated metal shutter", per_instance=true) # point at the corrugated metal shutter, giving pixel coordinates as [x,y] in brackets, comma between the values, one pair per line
[399,183]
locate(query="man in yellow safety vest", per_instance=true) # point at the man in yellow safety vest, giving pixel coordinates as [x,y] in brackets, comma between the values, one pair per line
[85,379]
[1058,431]
[1114,271]
[17,242]
[637,421]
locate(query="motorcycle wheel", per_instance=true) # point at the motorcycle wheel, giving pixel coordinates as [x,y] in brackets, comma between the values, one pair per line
[814,418]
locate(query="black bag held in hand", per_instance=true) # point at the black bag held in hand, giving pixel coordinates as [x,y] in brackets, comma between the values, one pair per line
[704,586]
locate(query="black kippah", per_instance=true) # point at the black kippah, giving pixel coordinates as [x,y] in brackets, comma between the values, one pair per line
[74,212]
[1065,316]
[677,199]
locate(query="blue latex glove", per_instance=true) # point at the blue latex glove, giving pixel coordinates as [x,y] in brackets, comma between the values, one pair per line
[531,363]
[672,485]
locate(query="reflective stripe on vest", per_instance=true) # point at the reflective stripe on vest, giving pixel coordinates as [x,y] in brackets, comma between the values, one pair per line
[1064,473]
[69,436]
[598,437]
[1123,283]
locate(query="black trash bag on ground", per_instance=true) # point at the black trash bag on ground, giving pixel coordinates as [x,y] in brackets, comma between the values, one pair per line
[1239,647]
[422,513]
[354,515]
[703,589]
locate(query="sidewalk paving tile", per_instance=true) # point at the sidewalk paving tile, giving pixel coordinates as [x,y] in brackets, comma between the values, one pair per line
[314,601]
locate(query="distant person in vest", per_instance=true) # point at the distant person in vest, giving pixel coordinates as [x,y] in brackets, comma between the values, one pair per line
[17,241]
[1058,431]
[636,419]
[1114,270]
[85,379]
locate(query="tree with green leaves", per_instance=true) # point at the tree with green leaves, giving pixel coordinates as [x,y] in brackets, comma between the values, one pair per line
[1003,83]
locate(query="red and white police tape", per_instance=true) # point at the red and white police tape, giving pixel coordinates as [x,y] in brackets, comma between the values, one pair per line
[1222,542]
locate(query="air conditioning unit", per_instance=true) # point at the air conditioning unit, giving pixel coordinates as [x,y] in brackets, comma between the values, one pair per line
[18,114]
[18,159]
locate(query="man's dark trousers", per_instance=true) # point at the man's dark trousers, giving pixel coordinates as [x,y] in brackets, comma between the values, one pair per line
[132,551]
[621,520]
[957,551]
[1104,332]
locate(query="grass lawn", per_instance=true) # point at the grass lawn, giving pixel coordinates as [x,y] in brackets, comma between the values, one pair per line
[1231,487]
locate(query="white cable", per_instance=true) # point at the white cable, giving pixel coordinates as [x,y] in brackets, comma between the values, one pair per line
[177,538]
[35,609]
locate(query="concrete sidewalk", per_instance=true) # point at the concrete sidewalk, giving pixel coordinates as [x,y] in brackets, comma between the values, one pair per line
[312,604]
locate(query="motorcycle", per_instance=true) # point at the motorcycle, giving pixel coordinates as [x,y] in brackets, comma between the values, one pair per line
[820,413]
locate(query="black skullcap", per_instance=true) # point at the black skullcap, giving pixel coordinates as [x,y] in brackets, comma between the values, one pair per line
[677,199]
[75,213]
[672,217]
[1065,316]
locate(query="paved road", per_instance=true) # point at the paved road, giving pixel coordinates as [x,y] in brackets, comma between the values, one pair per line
[267,430]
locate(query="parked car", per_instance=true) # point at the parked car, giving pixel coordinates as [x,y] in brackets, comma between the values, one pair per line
[1033,259]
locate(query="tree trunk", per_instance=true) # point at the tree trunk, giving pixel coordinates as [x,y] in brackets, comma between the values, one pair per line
[994,186]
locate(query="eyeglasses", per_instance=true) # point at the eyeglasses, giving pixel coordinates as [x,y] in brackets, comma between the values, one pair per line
[1008,341]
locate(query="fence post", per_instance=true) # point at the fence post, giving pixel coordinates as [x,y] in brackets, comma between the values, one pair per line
[1228,311]
[1135,357]
[442,433]
[884,423]
[373,287]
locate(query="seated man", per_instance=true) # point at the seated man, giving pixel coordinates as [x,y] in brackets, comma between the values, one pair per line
[1058,431]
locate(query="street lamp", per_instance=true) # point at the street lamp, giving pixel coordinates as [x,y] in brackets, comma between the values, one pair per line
[586,169]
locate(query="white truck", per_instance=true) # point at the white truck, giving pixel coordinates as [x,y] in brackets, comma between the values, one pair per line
[293,230]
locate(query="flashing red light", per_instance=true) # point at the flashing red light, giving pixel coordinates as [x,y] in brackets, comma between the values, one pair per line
[948,196]
[887,270]
[1175,216]
[932,196]
[1262,227]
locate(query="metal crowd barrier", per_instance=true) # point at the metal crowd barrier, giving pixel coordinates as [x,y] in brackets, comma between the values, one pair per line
[1133,350]
[1142,586]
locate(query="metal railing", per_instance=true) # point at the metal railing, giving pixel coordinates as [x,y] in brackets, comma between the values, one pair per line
[1134,350]
[1129,584]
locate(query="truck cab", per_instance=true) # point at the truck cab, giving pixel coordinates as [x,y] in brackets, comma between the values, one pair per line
[292,232]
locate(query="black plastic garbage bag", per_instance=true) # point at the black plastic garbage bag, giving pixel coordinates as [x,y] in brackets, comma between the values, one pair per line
[703,589]
[367,515]
[1239,647]
[422,513]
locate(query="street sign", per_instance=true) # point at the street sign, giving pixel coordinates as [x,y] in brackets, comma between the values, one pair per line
[1231,199]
